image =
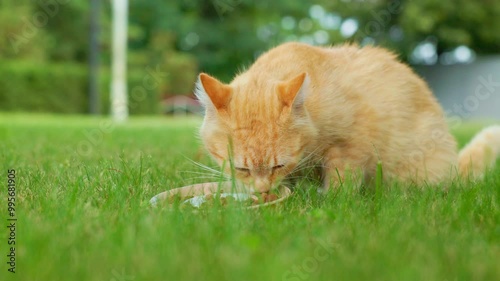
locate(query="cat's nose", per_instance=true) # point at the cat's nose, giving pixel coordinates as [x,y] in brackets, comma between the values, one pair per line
[262,185]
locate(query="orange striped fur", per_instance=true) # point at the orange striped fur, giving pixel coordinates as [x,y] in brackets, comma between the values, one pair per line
[345,108]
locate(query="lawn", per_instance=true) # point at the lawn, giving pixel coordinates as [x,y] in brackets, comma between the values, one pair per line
[82,192]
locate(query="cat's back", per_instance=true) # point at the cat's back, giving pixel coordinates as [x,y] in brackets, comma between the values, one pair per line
[347,63]
[372,73]
[289,59]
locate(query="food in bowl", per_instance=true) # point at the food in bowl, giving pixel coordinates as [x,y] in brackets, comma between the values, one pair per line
[207,195]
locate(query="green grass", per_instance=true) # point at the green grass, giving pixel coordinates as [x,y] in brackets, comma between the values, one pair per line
[83,214]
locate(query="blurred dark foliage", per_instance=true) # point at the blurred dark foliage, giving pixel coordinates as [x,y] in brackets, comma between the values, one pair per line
[44,50]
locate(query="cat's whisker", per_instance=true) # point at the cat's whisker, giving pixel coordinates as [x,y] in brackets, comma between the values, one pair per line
[201,173]
[305,170]
[300,178]
[205,175]
[305,164]
[208,178]
[204,167]
[310,156]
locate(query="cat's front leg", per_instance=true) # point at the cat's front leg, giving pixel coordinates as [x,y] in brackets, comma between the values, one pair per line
[343,166]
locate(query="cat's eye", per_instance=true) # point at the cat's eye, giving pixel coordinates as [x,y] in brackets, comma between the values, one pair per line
[278,167]
[244,170]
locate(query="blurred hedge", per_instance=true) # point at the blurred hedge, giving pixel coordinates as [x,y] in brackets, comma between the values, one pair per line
[33,87]
[63,88]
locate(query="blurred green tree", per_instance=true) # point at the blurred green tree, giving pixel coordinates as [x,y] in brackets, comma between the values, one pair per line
[403,24]
[222,36]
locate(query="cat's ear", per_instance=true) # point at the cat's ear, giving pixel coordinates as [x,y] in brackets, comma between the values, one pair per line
[292,93]
[212,92]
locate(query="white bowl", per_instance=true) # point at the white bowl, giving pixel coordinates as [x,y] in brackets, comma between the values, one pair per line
[194,194]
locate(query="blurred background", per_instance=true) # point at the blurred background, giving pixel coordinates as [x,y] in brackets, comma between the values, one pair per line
[56,56]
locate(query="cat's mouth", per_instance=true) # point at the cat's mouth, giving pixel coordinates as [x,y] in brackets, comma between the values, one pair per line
[253,190]
[258,184]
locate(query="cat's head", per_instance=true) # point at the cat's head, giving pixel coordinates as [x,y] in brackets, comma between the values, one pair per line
[263,126]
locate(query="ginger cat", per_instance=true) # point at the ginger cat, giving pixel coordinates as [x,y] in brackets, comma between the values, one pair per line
[345,108]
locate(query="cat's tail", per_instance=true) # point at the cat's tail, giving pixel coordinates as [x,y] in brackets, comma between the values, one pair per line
[480,153]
